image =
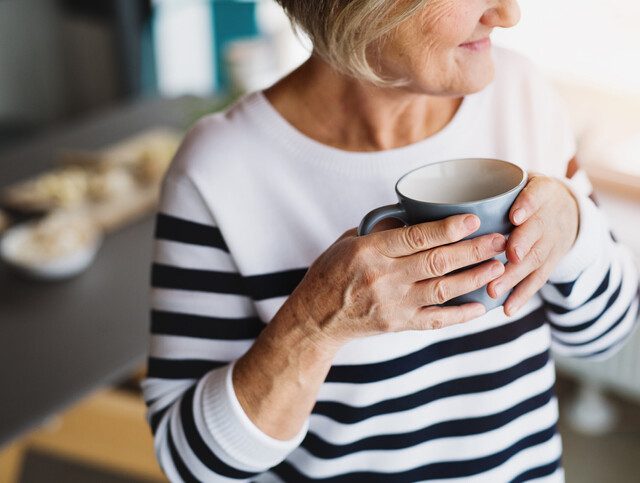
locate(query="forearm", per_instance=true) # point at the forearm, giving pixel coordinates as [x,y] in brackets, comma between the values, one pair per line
[277,380]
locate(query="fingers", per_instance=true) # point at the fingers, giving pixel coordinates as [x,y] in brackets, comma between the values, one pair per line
[442,260]
[408,240]
[430,318]
[528,201]
[523,238]
[439,290]
[525,290]
[516,272]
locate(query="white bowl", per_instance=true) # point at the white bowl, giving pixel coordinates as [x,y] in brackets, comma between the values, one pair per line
[58,268]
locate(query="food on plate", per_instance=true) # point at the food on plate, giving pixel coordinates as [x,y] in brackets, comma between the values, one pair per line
[58,235]
[63,188]
[110,182]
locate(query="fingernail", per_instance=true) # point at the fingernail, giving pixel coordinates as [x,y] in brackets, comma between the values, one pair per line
[499,243]
[519,253]
[519,215]
[498,289]
[471,222]
[497,269]
[512,309]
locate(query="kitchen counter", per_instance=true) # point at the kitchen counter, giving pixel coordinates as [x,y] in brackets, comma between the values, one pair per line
[60,341]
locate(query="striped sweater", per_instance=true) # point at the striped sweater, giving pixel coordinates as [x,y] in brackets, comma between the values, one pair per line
[248,204]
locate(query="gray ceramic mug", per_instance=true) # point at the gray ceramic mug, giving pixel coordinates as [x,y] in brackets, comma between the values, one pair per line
[481,186]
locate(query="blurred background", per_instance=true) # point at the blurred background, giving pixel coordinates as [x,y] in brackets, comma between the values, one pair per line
[94,99]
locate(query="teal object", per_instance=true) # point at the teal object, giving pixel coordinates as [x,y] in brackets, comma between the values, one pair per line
[148,70]
[232,19]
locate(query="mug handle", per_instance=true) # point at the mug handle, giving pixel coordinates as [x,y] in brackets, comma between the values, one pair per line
[374,217]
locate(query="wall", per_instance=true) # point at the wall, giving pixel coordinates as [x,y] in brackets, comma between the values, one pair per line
[30,79]
[593,41]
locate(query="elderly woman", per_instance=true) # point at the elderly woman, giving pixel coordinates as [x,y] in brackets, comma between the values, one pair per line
[285,347]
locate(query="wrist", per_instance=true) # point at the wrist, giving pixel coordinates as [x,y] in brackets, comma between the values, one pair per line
[298,321]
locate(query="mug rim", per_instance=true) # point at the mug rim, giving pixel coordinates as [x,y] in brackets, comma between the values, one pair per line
[463,203]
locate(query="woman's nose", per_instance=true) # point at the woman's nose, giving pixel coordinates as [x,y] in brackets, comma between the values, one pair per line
[504,13]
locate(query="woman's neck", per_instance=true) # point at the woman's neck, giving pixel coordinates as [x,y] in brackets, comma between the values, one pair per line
[345,113]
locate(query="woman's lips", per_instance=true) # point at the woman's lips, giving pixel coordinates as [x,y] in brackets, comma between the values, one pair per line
[477,45]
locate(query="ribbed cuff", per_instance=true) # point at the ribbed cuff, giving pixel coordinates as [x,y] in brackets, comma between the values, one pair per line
[236,434]
[588,243]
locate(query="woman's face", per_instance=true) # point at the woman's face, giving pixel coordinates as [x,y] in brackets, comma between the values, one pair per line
[437,50]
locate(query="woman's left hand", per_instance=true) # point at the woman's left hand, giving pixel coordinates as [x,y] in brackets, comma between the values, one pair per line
[546,217]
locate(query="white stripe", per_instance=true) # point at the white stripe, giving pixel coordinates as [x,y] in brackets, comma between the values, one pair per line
[442,449]
[153,387]
[193,463]
[585,285]
[163,453]
[527,459]
[163,402]
[606,320]
[209,439]
[592,308]
[604,342]
[201,303]
[179,347]
[196,257]
[440,410]
[461,365]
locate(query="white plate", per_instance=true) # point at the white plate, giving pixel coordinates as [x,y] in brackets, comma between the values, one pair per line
[59,268]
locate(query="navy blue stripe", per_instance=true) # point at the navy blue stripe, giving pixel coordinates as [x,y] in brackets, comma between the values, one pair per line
[198,445]
[566,287]
[154,421]
[503,334]
[447,469]
[618,342]
[598,337]
[177,229]
[446,429]
[187,325]
[276,284]
[182,469]
[165,276]
[258,287]
[346,414]
[602,288]
[538,472]
[588,323]
[180,368]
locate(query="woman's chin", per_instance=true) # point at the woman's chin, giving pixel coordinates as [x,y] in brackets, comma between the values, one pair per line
[476,78]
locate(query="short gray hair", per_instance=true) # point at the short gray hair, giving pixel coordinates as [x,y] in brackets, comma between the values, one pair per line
[343,30]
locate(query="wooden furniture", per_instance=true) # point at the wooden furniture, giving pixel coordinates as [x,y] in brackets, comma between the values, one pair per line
[106,430]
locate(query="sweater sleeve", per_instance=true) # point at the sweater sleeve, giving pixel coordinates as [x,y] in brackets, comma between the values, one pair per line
[591,298]
[201,322]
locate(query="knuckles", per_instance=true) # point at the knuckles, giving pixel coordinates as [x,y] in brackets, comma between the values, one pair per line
[415,237]
[441,291]
[435,263]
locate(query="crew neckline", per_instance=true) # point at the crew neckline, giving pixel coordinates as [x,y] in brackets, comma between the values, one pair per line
[268,119]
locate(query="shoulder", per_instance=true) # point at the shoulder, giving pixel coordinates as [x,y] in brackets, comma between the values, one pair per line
[214,142]
[515,72]
[525,98]
[519,80]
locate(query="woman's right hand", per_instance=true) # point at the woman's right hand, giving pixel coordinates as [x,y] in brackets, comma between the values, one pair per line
[395,280]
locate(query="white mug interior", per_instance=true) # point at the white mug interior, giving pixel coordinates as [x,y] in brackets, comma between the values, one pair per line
[460,180]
